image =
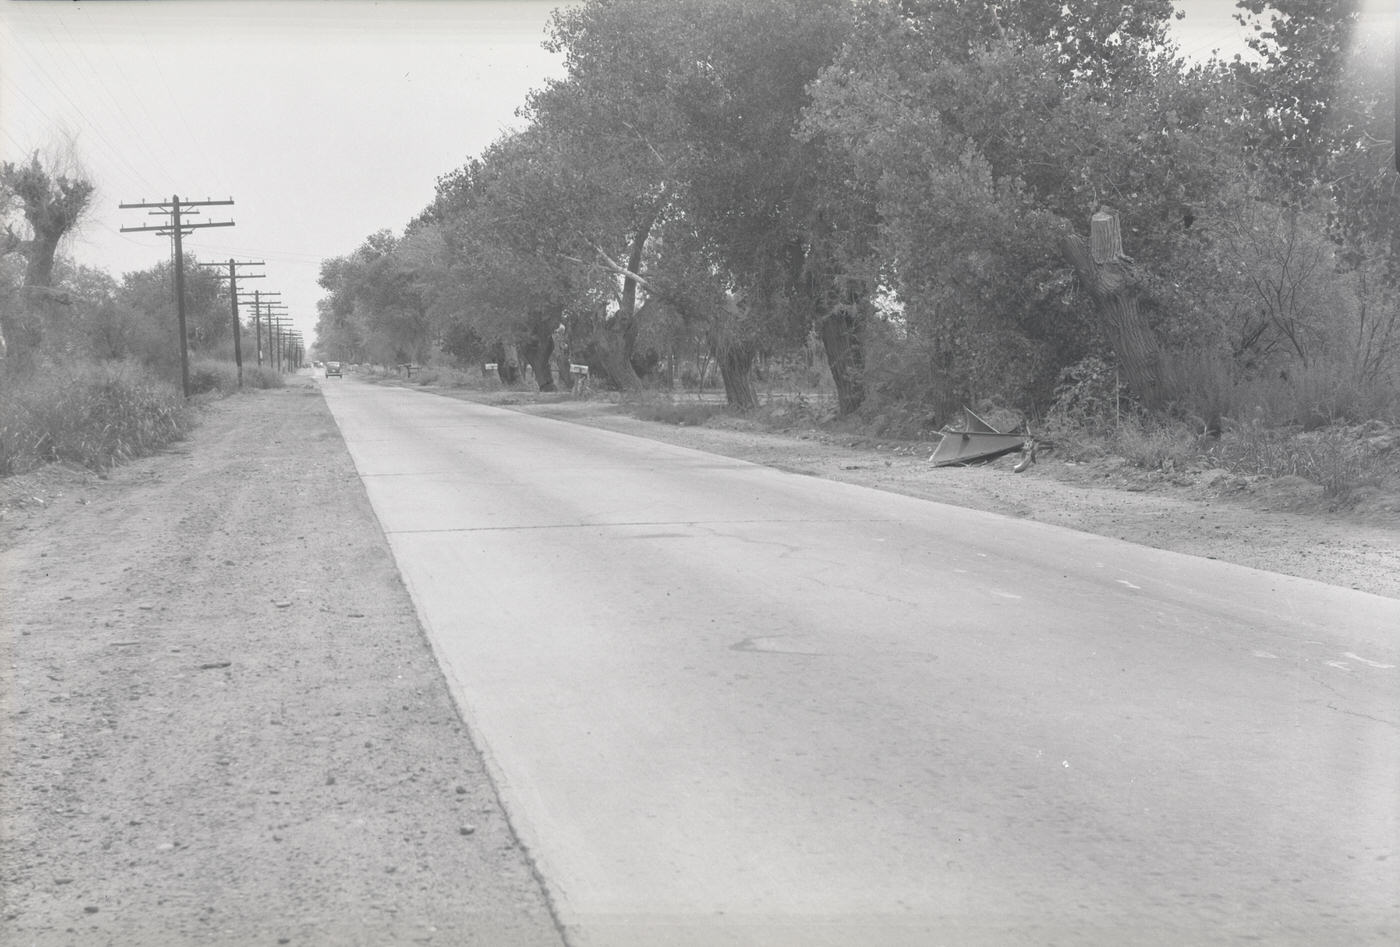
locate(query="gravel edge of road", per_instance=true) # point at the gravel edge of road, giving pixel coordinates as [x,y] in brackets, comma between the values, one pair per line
[184,648]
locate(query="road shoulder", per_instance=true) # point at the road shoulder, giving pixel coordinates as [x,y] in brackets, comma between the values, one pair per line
[222,721]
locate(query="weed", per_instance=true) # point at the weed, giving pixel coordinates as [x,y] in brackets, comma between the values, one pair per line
[1156,445]
[209,375]
[261,376]
[96,415]
[1334,458]
[665,411]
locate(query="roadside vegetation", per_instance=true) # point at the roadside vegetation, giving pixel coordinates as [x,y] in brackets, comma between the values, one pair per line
[878,213]
[863,215]
[95,415]
[89,365]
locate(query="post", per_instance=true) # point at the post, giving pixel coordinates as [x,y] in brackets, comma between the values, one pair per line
[180,297]
[237,326]
[257,322]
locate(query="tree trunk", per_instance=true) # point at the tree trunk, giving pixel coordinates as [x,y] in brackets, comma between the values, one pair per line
[39,269]
[614,344]
[617,337]
[845,356]
[25,311]
[538,351]
[1108,276]
[736,368]
[23,314]
[507,363]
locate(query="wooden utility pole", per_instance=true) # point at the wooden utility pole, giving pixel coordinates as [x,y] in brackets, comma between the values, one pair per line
[233,296]
[280,323]
[274,340]
[177,228]
[271,344]
[292,349]
[258,305]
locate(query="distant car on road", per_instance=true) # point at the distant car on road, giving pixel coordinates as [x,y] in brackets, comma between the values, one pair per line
[333,368]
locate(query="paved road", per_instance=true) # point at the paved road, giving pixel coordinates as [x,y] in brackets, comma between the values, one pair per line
[730,705]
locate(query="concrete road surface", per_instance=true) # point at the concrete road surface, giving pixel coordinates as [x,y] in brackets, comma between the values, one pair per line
[730,705]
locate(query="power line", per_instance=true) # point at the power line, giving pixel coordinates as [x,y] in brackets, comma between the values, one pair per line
[151,157]
[140,100]
[176,229]
[233,266]
[38,69]
[165,87]
[258,305]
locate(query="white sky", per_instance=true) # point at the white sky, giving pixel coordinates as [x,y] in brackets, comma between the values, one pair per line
[324,120]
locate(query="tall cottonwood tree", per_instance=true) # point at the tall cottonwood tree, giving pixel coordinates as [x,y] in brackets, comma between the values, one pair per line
[985,133]
[51,203]
[378,307]
[510,225]
[703,98]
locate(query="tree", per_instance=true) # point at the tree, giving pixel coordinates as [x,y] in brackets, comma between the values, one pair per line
[1295,83]
[378,309]
[509,241]
[142,321]
[983,134]
[699,101]
[51,203]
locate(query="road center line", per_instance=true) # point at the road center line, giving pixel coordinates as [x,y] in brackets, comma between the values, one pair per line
[697,524]
[1367,662]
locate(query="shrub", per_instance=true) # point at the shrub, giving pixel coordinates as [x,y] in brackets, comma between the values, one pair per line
[96,415]
[1088,396]
[665,411]
[1156,445]
[261,376]
[1336,459]
[209,375]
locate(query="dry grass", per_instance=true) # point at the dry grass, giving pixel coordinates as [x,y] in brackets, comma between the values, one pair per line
[95,415]
[1341,460]
[212,375]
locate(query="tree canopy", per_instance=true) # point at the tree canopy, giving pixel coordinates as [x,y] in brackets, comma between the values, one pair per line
[908,185]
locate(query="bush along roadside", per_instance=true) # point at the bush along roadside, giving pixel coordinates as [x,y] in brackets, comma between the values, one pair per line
[93,414]
[208,375]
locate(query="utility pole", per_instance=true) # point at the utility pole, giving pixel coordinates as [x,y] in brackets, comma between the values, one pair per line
[177,228]
[233,295]
[273,324]
[281,324]
[293,341]
[268,308]
[257,318]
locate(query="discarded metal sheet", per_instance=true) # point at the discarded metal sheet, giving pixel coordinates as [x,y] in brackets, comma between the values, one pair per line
[975,425]
[977,441]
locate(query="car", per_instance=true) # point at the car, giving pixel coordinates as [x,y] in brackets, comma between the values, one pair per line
[333,368]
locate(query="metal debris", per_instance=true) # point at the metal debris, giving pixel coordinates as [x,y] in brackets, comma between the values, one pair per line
[977,441]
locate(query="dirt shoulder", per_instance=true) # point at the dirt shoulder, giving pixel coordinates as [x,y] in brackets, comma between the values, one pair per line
[222,724]
[1284,526]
